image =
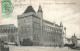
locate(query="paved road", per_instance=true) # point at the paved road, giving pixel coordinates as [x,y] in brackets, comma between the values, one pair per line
[24,48]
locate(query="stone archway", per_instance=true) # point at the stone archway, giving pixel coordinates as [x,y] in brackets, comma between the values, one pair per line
[27,42]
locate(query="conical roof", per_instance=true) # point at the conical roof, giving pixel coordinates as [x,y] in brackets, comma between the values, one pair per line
[40,9]
[29,9]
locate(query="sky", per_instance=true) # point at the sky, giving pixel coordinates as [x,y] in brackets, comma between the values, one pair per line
[65,11]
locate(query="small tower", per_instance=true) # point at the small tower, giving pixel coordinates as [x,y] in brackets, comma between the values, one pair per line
[40,12]
[74,39]
[61,25]
[40,15]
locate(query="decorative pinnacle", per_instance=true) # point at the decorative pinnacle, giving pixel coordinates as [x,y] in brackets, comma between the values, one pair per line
[30,2]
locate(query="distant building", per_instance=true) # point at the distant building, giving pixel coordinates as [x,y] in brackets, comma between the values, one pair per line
[41,32]
[8,33]
[72,40]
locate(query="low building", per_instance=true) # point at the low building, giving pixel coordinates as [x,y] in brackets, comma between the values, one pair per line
[8,33]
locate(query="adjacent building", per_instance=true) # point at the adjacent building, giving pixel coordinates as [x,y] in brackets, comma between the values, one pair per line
[8,33]
[74,39]
[41,32]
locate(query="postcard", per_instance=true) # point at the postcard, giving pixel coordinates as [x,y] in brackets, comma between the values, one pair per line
[39,25]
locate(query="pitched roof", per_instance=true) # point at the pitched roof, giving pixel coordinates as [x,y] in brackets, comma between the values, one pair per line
[29,9]
[46,21]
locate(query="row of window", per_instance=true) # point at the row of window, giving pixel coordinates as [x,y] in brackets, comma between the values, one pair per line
[49,38]
[48,28]
[8,30]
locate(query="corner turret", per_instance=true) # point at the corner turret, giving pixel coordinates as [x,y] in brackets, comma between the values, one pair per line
[40,12]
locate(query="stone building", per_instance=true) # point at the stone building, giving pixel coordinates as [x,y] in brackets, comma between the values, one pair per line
[74,39]
[40,31]
[8,33]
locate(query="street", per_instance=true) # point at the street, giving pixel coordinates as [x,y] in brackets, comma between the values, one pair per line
[37,48]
